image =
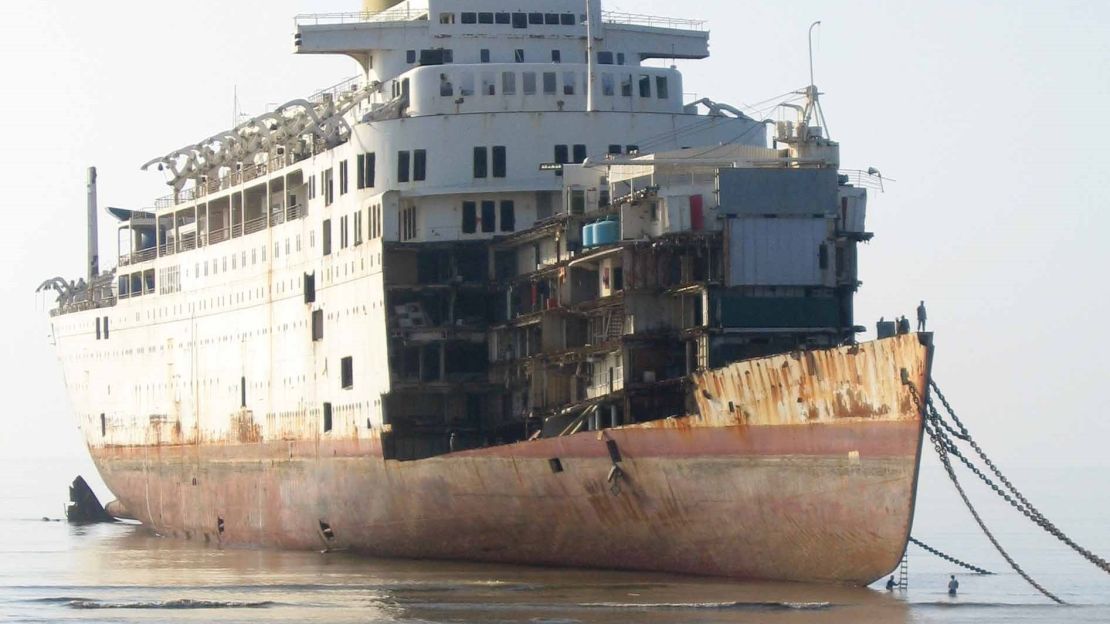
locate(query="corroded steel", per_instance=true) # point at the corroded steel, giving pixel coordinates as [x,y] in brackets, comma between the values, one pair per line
[809,475]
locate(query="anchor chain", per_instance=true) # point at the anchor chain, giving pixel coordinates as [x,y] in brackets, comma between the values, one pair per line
[949,558]
[1021,504]
[941,443]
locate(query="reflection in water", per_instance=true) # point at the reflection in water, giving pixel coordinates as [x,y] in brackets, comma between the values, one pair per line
[126,574]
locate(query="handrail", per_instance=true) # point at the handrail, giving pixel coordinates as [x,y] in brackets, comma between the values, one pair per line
[255,225]
[654,21]
[408,12]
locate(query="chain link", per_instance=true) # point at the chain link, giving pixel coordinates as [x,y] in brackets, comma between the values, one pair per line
[949,558]
[942,444]
[1021,503]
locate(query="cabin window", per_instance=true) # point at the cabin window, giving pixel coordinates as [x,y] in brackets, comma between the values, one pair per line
[489,216]
[347,372]
[626,86]
[562,155]
[535,18]
[567,19]
[317,325]
[502,18]
[105,327]
[329,187]
[605,58]
[103,425]
[410,56]
[469,18]
[508,83]
[358,228]
[403,158]
[608,85]
[631,149]
[549,83]
[508,216]
[489,83]
[499,161]
[446,18]
[481,162]
[310,287]
[327,237]
[469,217]
[556,56]
[98,328]
[483,55]
[528,83]
[343,178]
[661,90]
[520,20]
[343,235]
[551,19]
[620,58]
[614,149]
[419,165]
[312,187]
[568,82]
[327,417]
[645,86]
[579,154]
[466,84]
[485,18]
[518,55]
[446,89]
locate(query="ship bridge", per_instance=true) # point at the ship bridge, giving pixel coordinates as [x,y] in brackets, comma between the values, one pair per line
[394,39]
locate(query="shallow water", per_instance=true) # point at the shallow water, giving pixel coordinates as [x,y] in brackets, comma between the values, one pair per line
[54,572]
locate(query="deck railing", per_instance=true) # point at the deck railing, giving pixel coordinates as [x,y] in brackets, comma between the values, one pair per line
[653,21]
[408,12]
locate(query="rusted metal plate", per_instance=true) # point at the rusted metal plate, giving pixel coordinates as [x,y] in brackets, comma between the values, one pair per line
[810,476]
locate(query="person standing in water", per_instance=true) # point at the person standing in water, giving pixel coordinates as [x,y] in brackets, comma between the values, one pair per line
[953,585]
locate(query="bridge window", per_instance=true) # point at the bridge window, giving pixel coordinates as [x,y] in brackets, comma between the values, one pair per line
[469,217]
[410,56]
[419,165]
[446,18]
[608,85]
[469,18]
[403,164]
[520,20]
[568,82]
[645,86]
[489,216]
[605,58]
[661,90]
[549,83]
[485,18]
[551,19]
[508,83]
[518,55]
[568,19]
[502,18]
[528,80]
[556,56]
[535,18]
[483,56]
[489,83]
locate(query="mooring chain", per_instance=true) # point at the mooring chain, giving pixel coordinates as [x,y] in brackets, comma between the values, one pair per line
[1021,504]
[943,454]
[949,558]
[940,443]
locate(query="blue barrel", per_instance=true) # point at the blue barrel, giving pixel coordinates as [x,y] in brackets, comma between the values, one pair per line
[606,232]
[588,235]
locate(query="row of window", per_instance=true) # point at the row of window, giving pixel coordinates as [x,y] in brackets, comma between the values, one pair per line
[482,161]
[446,56]
[487,218]
[569,83]
[517,19]
[412,165]
[351,229]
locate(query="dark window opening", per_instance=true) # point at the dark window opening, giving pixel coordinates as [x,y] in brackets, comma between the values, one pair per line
[470,18]
[499,161]
[327,237]
[518,56]
[403,158]
[485,18]
[823,256]
[605,58]
[469,217]
[419,165]
[535,18]
[343,178]
[103,425]
[309,287]
[483,56]
[567,19]
[327,418]
[645,86]
[556,56]
[98,328]
[410,56]
[579,154]
[325,528]
[502,18]
[661,90]
[105,327]
[614,149]
[620,58]
[562,154]
[317,325]
[520,20]
[371,162]
[551,19]
[481,162]
[242,392]
[347,372]
[489,216]
[508,216]
[556,465]
[632,149]
[549,83]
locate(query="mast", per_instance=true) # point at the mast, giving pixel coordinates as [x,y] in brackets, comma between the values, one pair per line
[94,258]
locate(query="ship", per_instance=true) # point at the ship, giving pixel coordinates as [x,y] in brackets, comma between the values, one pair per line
[504,296]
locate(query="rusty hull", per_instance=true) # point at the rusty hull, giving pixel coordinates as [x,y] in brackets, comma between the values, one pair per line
[798,467]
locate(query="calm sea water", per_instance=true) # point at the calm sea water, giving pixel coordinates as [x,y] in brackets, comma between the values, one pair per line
[53,572]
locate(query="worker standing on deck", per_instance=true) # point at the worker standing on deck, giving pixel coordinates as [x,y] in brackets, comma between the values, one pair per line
[953,585]
[903,325]
[921,316]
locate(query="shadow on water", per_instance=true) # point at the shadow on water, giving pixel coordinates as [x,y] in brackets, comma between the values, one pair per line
[132,575]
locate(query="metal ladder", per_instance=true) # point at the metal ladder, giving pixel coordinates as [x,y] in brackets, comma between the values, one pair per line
[904,571]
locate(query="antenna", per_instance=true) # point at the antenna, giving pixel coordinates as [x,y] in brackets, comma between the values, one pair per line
[811,27]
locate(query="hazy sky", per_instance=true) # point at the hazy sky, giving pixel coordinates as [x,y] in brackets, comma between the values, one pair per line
[990,116]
